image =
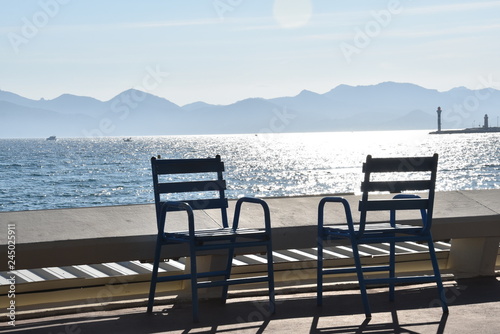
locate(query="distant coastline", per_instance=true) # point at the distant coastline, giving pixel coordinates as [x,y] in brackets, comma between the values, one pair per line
[468,130]
[484,129]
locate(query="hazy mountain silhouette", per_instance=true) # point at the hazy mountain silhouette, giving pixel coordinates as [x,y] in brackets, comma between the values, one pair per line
[72,104]
[25,122]
[197,105]
[385,106]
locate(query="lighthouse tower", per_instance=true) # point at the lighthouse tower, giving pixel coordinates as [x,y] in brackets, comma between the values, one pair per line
[439,118]
[486,121]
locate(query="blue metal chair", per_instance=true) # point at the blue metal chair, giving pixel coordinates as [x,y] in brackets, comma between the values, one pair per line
[367,233]
[226,237]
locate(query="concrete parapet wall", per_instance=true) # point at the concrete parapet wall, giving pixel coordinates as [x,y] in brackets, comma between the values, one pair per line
[48,238]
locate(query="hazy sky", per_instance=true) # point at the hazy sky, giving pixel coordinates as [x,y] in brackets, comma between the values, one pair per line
[222,51]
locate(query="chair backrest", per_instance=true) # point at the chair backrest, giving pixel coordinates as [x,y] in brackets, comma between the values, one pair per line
[200,177]
[423,168]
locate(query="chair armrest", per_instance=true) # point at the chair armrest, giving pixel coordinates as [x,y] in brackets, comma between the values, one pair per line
[265,207]
[347,210]
[178,206]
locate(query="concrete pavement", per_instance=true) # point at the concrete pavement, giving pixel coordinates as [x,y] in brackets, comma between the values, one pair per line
[474,308]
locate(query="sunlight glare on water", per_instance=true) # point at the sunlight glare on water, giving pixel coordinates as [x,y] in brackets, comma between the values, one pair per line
[38,174]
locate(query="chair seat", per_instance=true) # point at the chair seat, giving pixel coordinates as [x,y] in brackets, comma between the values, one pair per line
[378,232]
[219,233]
[377,228]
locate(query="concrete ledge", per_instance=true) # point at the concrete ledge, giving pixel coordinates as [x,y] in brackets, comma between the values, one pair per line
[121,233]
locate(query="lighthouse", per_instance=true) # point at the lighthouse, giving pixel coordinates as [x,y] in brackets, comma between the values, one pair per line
[486,121]
[439,118]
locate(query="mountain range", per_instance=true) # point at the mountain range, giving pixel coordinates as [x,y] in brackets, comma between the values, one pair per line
[384,106]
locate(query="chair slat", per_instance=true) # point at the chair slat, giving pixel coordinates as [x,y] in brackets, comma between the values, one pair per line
[396,186]
[385,165]
[205,204]
[187,166]
[394,204]
[195,186]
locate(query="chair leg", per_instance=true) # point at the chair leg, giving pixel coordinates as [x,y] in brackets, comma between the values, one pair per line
[361,278]
[194,283]
[437,275]
[154,276]
[392,269]
[270,276]
[229,265]
[319,282]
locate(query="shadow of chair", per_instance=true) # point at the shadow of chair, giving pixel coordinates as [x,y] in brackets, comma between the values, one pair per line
[393,175]
[391,327]
[203,177]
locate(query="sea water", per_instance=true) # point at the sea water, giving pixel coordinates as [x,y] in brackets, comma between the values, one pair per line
[81,172]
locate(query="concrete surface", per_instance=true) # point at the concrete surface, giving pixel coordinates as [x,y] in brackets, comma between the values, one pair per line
[474,308]
[132,220]
[98,234]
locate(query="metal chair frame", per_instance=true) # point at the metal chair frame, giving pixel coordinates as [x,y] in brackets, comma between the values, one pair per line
[366,233]
[227,237]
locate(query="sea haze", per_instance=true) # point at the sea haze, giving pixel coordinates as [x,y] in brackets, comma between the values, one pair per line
[40,174]
[385,106]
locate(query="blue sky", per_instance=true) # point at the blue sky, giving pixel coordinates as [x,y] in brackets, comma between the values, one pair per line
[222,51]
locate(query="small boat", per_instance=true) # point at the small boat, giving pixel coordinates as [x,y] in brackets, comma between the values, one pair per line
[127,139]
[52,138]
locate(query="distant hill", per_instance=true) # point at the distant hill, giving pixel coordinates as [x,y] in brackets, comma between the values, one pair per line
[385,106]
